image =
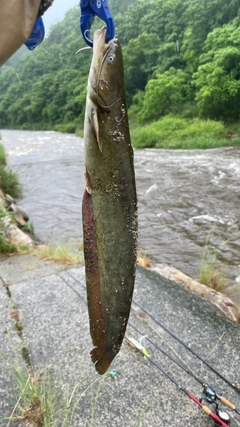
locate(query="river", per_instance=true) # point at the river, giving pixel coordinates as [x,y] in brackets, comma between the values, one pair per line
[186,199]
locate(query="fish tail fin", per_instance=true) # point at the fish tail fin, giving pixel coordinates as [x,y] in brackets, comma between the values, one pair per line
[102,359]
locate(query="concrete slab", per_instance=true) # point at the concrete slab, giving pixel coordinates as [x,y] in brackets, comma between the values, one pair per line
[55,328]
[17,268]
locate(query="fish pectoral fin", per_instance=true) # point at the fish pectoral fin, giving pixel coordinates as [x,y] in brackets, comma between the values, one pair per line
[95,124]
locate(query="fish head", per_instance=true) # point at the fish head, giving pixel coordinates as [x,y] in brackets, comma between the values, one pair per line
[106,77]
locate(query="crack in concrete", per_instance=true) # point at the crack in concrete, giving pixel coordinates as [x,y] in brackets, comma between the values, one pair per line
[15,315]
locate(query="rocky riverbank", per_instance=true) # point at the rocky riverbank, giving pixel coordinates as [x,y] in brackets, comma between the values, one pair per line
[14,226]
[13,222]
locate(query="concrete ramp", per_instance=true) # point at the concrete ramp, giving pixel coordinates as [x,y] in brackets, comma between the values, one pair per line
[53,314]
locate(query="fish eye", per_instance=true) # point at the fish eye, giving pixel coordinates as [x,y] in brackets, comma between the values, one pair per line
[110,58]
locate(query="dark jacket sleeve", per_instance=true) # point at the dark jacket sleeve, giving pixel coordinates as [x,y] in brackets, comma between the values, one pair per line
[17,18]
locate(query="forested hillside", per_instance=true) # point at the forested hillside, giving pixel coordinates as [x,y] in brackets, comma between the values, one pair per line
[181,57]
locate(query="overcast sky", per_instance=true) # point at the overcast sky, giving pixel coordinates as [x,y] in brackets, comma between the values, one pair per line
[56,12]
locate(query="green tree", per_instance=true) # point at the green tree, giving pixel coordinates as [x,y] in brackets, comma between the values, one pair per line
[201,37]
[140,58]
[164,94]
[218,77]
[200,18]
[119,6]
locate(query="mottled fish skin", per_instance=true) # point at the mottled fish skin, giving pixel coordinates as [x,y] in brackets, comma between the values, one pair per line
[109,203]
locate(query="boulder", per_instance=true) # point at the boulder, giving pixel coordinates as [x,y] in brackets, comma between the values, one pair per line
[15,236]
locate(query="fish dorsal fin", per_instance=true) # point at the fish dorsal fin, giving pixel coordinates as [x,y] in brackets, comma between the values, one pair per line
[94,118]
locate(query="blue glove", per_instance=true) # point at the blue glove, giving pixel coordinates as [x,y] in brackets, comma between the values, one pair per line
[37,34]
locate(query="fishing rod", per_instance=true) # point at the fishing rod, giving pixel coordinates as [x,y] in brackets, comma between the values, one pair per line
[135,344]
[237,389]
[227,403]
[208,391]
[210,395]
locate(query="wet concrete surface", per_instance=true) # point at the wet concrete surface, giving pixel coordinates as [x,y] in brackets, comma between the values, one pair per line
[53,311]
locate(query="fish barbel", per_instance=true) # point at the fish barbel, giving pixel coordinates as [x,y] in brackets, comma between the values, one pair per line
[109,203]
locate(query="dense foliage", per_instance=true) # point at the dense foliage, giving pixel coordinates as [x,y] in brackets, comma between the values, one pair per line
[9,183]
[181,57]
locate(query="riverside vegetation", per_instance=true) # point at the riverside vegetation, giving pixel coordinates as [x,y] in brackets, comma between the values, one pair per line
[69,253]
[181,68]
[8,184]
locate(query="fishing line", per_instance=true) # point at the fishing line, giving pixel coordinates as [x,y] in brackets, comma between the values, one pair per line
[208,392]
[189,349]
[177,339]
[82,49]
[74,290]
[205,408]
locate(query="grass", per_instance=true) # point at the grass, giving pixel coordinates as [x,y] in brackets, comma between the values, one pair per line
[144,412]
[42,403]
[71,127]
[37,400]
[73,398]
[34,395]
[211,272]
[9,182]
[79,132]
[62,253]
[174,132]
[5,247]
[65,128]
[2,156]
[29,227]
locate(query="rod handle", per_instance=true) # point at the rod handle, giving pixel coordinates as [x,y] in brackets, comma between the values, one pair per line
[227,403]
[206,410]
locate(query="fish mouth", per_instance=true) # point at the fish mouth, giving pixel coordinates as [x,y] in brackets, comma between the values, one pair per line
[99,41]
[100,47]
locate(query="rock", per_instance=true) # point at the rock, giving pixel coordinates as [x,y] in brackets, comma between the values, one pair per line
[144,262]
[15,236]
[19,211]
[9,199]
[12,233]
[19,220]
[222,301]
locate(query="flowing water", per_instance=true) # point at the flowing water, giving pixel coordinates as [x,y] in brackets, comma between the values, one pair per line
[187,199]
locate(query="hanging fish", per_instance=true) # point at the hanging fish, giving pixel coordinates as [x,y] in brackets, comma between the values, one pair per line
[109,203]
